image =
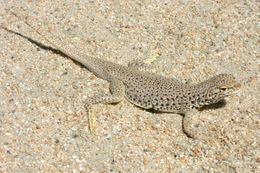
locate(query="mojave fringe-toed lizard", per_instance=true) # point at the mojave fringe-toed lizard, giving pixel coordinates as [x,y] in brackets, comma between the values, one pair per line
[148,91]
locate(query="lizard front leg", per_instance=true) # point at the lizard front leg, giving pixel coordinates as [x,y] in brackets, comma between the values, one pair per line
[192,128]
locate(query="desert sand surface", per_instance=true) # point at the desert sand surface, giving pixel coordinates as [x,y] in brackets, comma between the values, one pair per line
[43,123]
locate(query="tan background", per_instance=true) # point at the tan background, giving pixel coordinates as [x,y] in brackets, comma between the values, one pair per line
[42,95]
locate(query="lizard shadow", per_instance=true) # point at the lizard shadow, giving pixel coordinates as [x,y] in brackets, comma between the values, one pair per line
[220,104]
[42,46]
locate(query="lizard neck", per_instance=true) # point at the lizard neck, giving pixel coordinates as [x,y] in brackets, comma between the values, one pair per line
[205,93]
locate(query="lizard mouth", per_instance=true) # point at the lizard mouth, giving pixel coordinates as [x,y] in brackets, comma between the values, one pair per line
[231,90]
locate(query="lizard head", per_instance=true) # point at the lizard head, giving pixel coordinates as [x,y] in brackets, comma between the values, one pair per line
[221,86]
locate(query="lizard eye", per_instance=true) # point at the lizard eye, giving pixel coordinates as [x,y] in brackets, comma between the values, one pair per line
[223,88]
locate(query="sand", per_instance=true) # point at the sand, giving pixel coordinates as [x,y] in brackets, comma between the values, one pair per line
[43,124]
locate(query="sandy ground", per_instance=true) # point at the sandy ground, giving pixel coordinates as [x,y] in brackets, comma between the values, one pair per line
[43,127]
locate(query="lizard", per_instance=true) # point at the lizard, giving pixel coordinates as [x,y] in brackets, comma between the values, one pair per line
[143,89]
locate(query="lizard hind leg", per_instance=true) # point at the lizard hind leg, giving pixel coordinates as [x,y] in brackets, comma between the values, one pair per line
[117,90]
[145,65]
